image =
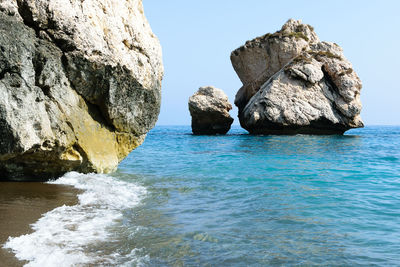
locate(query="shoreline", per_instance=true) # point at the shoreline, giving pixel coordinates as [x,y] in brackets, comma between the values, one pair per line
[22,204]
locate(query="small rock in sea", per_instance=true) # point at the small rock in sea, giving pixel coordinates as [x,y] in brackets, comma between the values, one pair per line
[209,108]
[295,84]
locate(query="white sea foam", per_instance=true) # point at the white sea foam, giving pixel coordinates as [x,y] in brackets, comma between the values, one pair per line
[62,236]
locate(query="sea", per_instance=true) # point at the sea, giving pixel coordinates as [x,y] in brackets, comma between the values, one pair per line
[233,200]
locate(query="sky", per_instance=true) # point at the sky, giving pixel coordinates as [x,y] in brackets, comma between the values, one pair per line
[197,38]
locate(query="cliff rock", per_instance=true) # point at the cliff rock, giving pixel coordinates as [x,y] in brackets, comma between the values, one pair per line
[293,83]
[209,108]
[80,85]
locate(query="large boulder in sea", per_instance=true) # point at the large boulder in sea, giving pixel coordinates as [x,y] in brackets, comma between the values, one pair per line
[80,85]
[295,84]
[209,108]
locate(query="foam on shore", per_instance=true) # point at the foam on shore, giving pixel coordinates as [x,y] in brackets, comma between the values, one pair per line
[65,235]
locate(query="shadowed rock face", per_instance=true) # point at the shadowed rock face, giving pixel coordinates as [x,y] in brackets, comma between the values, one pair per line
[80,85]
[293,83]
[209,108]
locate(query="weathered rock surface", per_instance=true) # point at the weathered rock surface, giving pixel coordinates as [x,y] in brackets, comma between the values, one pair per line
[209,108]
[293,83]
[80,85]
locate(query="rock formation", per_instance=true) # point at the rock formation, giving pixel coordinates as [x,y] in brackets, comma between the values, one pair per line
[293,83]
[209,108]
[80,85]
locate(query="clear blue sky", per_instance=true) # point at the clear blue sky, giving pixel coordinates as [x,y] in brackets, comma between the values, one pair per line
[197,38]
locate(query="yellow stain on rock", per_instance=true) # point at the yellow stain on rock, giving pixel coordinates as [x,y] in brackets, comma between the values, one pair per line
[100,148]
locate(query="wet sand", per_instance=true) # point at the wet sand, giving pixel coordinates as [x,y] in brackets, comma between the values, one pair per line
[22,204]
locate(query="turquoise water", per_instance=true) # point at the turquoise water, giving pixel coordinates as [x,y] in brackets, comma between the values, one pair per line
[235,200]
[266,200]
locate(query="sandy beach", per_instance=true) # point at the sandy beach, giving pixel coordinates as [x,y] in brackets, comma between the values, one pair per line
[22,204]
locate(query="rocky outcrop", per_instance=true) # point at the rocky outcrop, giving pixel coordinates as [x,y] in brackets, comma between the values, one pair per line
[209,108]
[80,85]
[293,83]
